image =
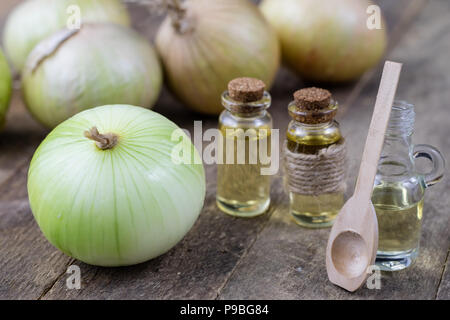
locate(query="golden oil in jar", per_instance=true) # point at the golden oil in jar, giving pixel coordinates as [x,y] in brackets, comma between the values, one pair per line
[315,210]
[312,132]
[399,220]
[390,217]
[243,190]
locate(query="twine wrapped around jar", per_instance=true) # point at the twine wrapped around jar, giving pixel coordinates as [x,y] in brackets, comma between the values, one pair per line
[316,174]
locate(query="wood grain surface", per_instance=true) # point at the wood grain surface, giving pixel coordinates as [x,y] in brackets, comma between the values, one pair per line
[268,257]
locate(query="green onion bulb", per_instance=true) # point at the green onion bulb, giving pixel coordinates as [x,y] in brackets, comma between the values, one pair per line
[5,88]
[104,189]
[99,64]
[33,20]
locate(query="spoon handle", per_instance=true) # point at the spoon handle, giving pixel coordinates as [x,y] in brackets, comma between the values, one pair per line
[378,125]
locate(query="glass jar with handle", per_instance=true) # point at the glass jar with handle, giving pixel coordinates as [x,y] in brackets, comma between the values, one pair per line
[399,190]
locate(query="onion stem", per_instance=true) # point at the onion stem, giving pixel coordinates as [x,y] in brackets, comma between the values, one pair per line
[103,141]
[177,13]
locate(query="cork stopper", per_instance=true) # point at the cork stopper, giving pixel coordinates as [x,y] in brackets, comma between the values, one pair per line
[246,89]
[312,98]
[313,106]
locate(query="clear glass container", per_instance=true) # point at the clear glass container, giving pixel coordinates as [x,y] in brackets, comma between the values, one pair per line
[399,190]
[314,211]
[242,189]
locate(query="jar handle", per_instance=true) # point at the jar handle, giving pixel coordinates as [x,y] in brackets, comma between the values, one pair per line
[432,154]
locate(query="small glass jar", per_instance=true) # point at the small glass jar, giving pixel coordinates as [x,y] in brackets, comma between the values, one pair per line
[315,165]
[242,188]
[399,190]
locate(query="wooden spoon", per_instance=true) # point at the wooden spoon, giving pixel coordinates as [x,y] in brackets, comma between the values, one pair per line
[353,242]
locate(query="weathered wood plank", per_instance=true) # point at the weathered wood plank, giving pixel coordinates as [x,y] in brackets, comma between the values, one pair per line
[444,288]
[295,267]
[18,140]
[29,265]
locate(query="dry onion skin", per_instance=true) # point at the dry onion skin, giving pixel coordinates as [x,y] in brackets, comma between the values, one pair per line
[212,42]
[33,20]
[326,40]
[121,205]
[99,64]
[5,88]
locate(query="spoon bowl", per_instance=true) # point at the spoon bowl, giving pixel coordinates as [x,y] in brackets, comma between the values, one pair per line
[350,254]
[352,245]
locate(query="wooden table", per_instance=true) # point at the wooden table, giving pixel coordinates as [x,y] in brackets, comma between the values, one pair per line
[269,257]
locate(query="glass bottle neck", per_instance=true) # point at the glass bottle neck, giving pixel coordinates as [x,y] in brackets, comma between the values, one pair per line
[397,154]
[401,121]
[396,161]
[313,134]
[253,115]
[314,127]
[250,110]
[398,146]
[399,131]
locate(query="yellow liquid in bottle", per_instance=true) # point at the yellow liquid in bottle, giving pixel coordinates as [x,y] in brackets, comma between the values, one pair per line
[314,211]
[399,221]
[242,190]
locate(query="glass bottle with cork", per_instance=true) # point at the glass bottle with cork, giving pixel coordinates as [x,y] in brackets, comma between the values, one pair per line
[243,190]
[315,159]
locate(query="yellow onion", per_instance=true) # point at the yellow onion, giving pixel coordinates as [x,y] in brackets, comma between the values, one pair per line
[5,88]
[99,64]
[204,44]
[326,40]
[34,20]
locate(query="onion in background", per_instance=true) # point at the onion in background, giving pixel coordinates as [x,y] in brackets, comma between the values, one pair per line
[34,20]
[204,44]
[5,88]
[326,40]
[100,64]
[121,205]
